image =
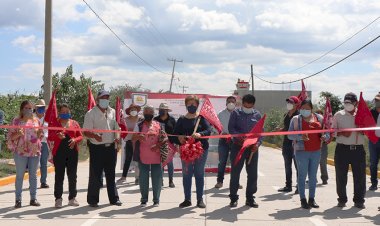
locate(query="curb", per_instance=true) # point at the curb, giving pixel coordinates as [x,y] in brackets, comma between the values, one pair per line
[11,179]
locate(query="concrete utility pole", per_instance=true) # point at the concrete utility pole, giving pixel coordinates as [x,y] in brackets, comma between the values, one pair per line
[184,88]
[252,80]
[47,55]
[171,81]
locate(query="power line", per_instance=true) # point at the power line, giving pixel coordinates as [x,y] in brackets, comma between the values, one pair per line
[122,41]
[328,52]
[325,69]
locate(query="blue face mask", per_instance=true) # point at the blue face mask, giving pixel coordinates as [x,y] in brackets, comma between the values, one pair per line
[161,112]
[65,116]
[305,113]
[40,110]
[192,109]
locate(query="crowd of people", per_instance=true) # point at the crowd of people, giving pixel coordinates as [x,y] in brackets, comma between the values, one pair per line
[307,151]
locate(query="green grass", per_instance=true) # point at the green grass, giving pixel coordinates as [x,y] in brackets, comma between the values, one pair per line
[83,151]
[6,170]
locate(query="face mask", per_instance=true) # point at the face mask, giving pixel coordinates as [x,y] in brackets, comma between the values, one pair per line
[161,112]
[289,106]
[104,103]
[377,104]
[231,106]
[247,110]
[148,117]
[27,113]
[65,116]
[349,107]
[192,109]
[41,110]
[133,113]
[305,113]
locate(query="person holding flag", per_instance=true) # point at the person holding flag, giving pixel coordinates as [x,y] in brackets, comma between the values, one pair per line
[349,151]
[374,147]
[242,121]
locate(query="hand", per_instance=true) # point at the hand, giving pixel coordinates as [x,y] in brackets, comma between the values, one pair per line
[305,137]
[196,135]
[182,139]
[140,137]
[20,132]
[323,138]
[98,137]
[61,135]
[345,134]
[72,143]
[116,141]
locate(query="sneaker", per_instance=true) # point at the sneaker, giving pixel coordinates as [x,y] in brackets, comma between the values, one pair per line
[171,184]
[137,182]
[73,202]
[143,204]
[58,203]
[201,204]
[372,188]
[341,204]
[122,180]
[324,182]
[34,202]
[185,203]
[360,205]
[251,203]
[304,204]
[18,204]
[44,185]
[156,204]
[235,203]
[312,203]
[219,185]
[117,203]
[285,189]
[240,186]
[94,205]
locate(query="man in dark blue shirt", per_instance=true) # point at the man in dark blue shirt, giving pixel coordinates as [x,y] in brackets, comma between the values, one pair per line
[242,121]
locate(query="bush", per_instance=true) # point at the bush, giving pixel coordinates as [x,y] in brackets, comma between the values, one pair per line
[274,119]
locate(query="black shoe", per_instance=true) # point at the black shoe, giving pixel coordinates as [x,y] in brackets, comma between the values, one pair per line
[235,203]
[304,204]
[117,203]
[373,188]
[324,182]
[341,204]
[360,205]
[251,203]
[201,204]
[137,182]
[44,185]
[313,204]
[34,202]
[171,184]
[94,205]
[185,203]
[285,189]
[18,204]
[296,192]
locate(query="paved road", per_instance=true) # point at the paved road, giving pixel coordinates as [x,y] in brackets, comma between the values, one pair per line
[275,208]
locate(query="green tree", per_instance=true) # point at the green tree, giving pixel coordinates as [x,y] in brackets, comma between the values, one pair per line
[336,103]
[275,119]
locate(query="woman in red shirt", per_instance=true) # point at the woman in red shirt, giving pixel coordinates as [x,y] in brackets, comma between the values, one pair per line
[65,155]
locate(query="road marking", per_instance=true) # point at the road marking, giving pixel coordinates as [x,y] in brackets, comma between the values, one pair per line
[316,221]
[91,221]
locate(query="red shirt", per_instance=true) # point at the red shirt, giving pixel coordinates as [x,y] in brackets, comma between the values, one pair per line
[76,135]
[314,142]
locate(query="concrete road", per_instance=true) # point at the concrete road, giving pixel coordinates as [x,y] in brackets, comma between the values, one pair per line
[275,208]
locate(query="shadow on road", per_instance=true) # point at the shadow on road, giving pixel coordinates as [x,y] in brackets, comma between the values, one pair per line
[173,213]
[226,214]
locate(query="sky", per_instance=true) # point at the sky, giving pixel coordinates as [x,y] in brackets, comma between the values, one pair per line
[217,41]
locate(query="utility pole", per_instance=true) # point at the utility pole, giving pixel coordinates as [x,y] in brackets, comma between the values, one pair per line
[171,81]
[252,80]
[183,88]
[47,55]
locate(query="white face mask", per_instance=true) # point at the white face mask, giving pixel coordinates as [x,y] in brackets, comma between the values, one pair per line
[104,103]
[231,106]
[247,110]
[289,106]
[133,113]
[349,107]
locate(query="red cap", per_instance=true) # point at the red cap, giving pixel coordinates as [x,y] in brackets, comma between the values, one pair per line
[293,100]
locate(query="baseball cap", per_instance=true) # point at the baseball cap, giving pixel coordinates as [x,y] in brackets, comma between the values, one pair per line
[350,97]
[103,93]
[293,100]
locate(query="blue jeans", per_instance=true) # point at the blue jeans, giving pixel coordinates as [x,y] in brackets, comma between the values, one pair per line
[307,163]
[224,149]
[197,168]
[43,162]
[288,155]
[21,163]
[170,170]
[374,154]
[156,172]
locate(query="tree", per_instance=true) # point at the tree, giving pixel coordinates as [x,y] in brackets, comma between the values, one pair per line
[336,103]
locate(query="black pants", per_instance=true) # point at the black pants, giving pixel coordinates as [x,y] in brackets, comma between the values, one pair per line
[288,154]
[65,158]
[344,156]
[128,157]
[102,158]
[251,169]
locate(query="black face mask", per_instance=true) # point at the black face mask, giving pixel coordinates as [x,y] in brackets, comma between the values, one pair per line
[192,109]
[148,117]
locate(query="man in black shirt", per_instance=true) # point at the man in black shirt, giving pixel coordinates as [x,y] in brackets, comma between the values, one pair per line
[287,146]
[168,124]
[374,148]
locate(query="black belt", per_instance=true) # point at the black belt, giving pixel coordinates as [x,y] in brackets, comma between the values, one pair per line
[103,145]
[352,147]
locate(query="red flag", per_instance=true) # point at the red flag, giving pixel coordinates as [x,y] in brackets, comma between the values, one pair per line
[208,112]
[327,115]
[303,94]
[91,100]
[365,119]
[51,113]
[119,117]
[118,109]
[252,139]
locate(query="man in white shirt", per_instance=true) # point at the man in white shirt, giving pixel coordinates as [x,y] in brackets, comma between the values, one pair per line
[103,153]
[40,112]
[349,151]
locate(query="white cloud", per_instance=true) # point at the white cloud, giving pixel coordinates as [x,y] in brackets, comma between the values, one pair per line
[207,20]
[221,3]
[29,43]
